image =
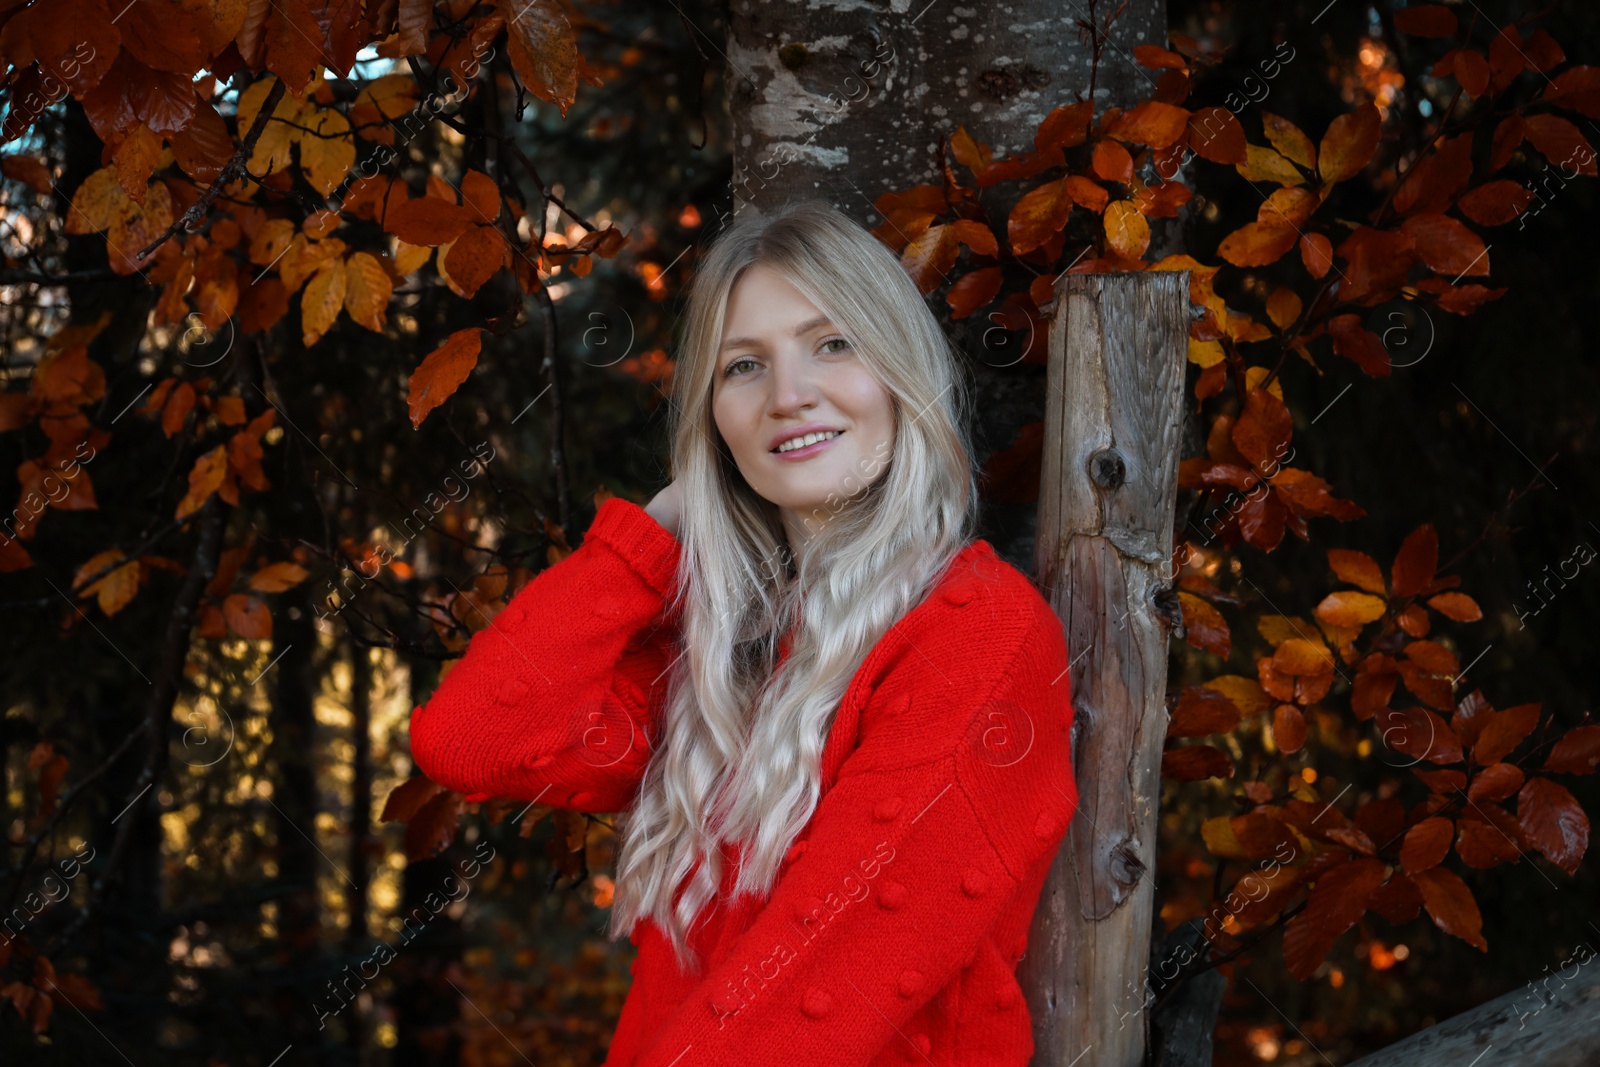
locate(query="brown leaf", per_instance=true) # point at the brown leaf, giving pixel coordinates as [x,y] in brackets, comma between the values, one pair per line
[430,831]
[1426,844]
[1450,905]
[1215,134]
[1503,732]
[408,798]
[1553,823]
[427,220]
[1578,751]
[1194,762]
[1202,710]
[1338,899]
[1446,245]
[1288,728]
[1415,563]
[1349,143]
[543,49]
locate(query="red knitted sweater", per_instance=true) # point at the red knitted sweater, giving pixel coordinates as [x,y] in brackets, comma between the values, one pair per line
[894,930]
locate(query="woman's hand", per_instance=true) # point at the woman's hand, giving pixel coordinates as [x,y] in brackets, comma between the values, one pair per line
[666,507]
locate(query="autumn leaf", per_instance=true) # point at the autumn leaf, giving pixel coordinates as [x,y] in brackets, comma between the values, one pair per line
[1348,144]
[1415,563]
[442,372]
[1426,844]
[367,288]
[1503,732]
[327,150]
[1495,203]
[973,290]
[427,220]
[1127,231]
[1215,134]
[1038,216]
[407,798]
[114,589]
[1457,606]
[204,479]
[1450,905]
[321,301]
[1111,162]
[1204,626]
[1446,245]
[247,616]
[543,49]
[432,827]
[276,577]
[1150,123]
[1265,165]
[1288,728]
[1347,608]
[1194,762]
[1334,904]
[1578,752]
[1200,711]
[475,257]
[1290,141]
[1552,823]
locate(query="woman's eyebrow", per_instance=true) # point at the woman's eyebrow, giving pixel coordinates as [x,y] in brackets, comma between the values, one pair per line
[799,331]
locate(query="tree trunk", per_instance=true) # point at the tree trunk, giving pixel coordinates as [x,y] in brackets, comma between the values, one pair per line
[1108,495]
[846,102]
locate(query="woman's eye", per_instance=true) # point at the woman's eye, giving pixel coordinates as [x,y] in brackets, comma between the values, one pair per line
[729,373]
[844,344]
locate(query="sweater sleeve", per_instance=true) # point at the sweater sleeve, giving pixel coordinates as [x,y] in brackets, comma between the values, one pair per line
[960,786]
[557,699]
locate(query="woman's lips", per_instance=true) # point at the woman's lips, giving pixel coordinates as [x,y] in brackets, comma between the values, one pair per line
[810,450]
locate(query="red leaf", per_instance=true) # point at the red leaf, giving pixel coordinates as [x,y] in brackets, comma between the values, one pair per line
[1495,783]
[1495,203]
[1450,904]
[1216,135]
[1335,903]
[1202,710]
[427,220]
[1446,245]
[1415,563]
[1560,142]
[1578,752]
[1553,823]
[1503,731]
[1358,344]
[1426,844]
[1194,762]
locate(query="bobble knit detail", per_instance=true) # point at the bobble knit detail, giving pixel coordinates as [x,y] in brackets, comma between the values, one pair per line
[912,886]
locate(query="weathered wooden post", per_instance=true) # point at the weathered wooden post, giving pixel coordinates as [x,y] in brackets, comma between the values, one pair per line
[1113,415]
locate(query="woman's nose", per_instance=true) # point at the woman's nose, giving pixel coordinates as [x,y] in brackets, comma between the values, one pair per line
[793,384]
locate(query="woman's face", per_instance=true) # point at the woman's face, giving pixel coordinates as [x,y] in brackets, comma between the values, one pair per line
[786,371]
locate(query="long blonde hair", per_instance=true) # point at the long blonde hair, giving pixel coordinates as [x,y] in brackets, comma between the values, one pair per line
[739,756]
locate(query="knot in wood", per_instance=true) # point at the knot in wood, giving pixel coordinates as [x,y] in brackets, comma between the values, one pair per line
[793,56]
[1107,468]
[1126,866]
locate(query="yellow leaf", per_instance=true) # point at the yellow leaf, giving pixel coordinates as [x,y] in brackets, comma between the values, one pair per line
[367,289]
[327,155]
[270,240]
[113,589]
[137,226]
[1283,307]
[1205,353]
[135,158]
[1265,165]
[409,257]
[320,303]
[96,202]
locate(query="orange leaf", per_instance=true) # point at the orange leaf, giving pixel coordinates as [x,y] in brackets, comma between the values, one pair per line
[481,196]
[1348,608]
[1348,144]
[1450,905]
[972,291]
[1560,142]
[135,158]
[1065,127]
[1316,252]
[1127,230]
[1204,626]
[1288,728]
[1495,203]
[1150,123]
[1356,568]
[1358,344]
[247,616]
[30,172]
[276,577]
[114,589]
[1457,606]
[1111,162]
[1216,135]
[205,478]
[442,372]
[1257,244]
[1265,165]
[475,257]
[428,220]
[543,49]
[1446,245]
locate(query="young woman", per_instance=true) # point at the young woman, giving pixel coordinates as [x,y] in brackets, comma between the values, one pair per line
[834,726]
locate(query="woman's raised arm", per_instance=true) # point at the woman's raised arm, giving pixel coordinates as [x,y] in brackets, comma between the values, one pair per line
[557,699]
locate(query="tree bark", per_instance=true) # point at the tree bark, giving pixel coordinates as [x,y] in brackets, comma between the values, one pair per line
[1108,495]
[846,102]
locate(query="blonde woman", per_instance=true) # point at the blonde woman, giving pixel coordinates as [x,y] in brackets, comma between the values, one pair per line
[835,727]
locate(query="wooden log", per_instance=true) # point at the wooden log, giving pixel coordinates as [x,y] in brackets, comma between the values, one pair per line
[1555,1023]
[1113,416]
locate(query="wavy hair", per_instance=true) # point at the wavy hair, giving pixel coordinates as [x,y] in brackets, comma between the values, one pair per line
[742,738]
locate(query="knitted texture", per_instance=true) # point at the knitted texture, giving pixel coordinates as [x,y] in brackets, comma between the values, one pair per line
[900,913]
